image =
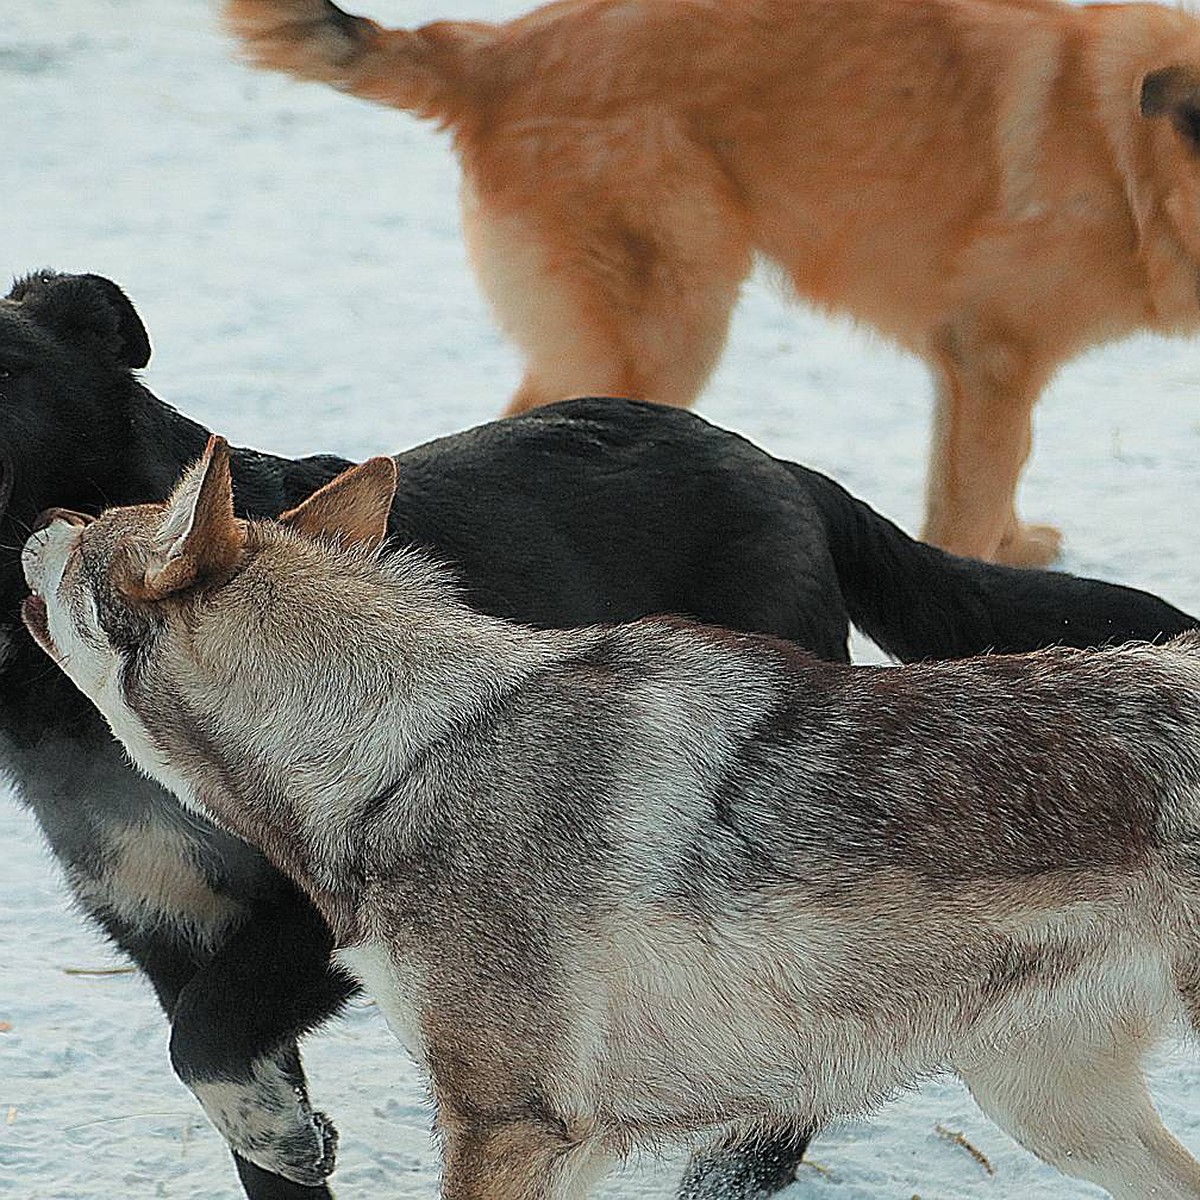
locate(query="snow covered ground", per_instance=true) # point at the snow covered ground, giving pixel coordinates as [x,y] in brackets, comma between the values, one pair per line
[296,258]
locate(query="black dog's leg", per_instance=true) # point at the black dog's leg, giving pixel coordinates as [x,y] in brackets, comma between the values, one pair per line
[282,1148]
[265,1185]
[745,1172]
[233,1043]
[181,975]
[172,966]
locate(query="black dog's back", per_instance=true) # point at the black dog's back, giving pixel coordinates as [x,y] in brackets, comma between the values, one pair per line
[686,518]
[600,510]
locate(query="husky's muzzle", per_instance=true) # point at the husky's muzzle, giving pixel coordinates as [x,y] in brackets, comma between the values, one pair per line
[33,563]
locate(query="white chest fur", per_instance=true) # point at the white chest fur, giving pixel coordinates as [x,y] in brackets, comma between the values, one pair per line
[394,987]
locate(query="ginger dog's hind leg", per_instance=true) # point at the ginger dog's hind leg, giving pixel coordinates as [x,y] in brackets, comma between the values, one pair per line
[627,292]
[625,317]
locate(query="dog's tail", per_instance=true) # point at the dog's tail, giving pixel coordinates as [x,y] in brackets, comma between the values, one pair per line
[919,602]
[423,71]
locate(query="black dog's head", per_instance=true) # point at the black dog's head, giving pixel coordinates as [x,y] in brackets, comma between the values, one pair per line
[68,348]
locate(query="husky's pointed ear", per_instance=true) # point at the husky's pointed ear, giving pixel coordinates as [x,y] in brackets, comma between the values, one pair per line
[199,539]
[352,508]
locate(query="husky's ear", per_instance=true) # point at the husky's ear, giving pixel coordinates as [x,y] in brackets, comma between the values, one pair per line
[352,508]
[1174,92]
[199,538]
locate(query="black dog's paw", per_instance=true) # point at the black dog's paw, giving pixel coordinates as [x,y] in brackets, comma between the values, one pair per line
[327,1132]
[268,1120]
[754,1170]
[308,1154]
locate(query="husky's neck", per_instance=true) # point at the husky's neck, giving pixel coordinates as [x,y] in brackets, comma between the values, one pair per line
[303,702]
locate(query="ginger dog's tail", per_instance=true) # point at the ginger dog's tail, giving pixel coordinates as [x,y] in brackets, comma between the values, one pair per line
[919,602]
[423,71]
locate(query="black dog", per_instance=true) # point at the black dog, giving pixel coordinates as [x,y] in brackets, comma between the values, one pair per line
[583,512]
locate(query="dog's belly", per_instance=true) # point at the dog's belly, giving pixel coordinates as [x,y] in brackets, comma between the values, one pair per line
[819,1017]
[785,1011]
[692,1050]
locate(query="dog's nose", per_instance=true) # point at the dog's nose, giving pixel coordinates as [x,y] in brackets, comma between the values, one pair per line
[50,515]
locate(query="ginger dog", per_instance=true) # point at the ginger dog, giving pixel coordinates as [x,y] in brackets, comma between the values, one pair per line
[633,883]
[996,186]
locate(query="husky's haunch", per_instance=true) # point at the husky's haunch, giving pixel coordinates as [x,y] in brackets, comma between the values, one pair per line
[997,187]
[641,882]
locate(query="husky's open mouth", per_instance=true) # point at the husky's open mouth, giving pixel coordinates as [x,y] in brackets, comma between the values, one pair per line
[33,613]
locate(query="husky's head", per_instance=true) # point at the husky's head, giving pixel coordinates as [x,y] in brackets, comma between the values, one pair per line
[165,615]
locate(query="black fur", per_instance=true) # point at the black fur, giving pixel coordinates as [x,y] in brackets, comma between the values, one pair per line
[589,511]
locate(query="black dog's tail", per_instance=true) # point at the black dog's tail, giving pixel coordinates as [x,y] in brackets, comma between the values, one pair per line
[919,602]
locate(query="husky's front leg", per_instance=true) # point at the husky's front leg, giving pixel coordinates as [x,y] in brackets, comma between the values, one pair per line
[233,1039]
[515,1158]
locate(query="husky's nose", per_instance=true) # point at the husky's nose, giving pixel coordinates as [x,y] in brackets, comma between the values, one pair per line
[50,515]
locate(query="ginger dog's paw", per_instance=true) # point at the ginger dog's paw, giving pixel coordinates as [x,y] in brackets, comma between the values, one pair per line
[1031,546]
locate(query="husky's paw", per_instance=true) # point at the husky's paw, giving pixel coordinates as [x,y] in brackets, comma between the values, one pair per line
[1030,546]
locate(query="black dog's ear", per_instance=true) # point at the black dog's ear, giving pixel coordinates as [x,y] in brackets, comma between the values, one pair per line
[86,307]
[1174,92]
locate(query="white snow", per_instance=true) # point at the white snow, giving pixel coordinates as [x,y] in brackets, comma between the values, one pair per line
[296,258]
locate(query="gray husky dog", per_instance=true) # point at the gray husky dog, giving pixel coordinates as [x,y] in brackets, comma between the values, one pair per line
[646,882]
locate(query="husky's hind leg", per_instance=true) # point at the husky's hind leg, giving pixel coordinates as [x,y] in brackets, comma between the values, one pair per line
[1076,1097]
